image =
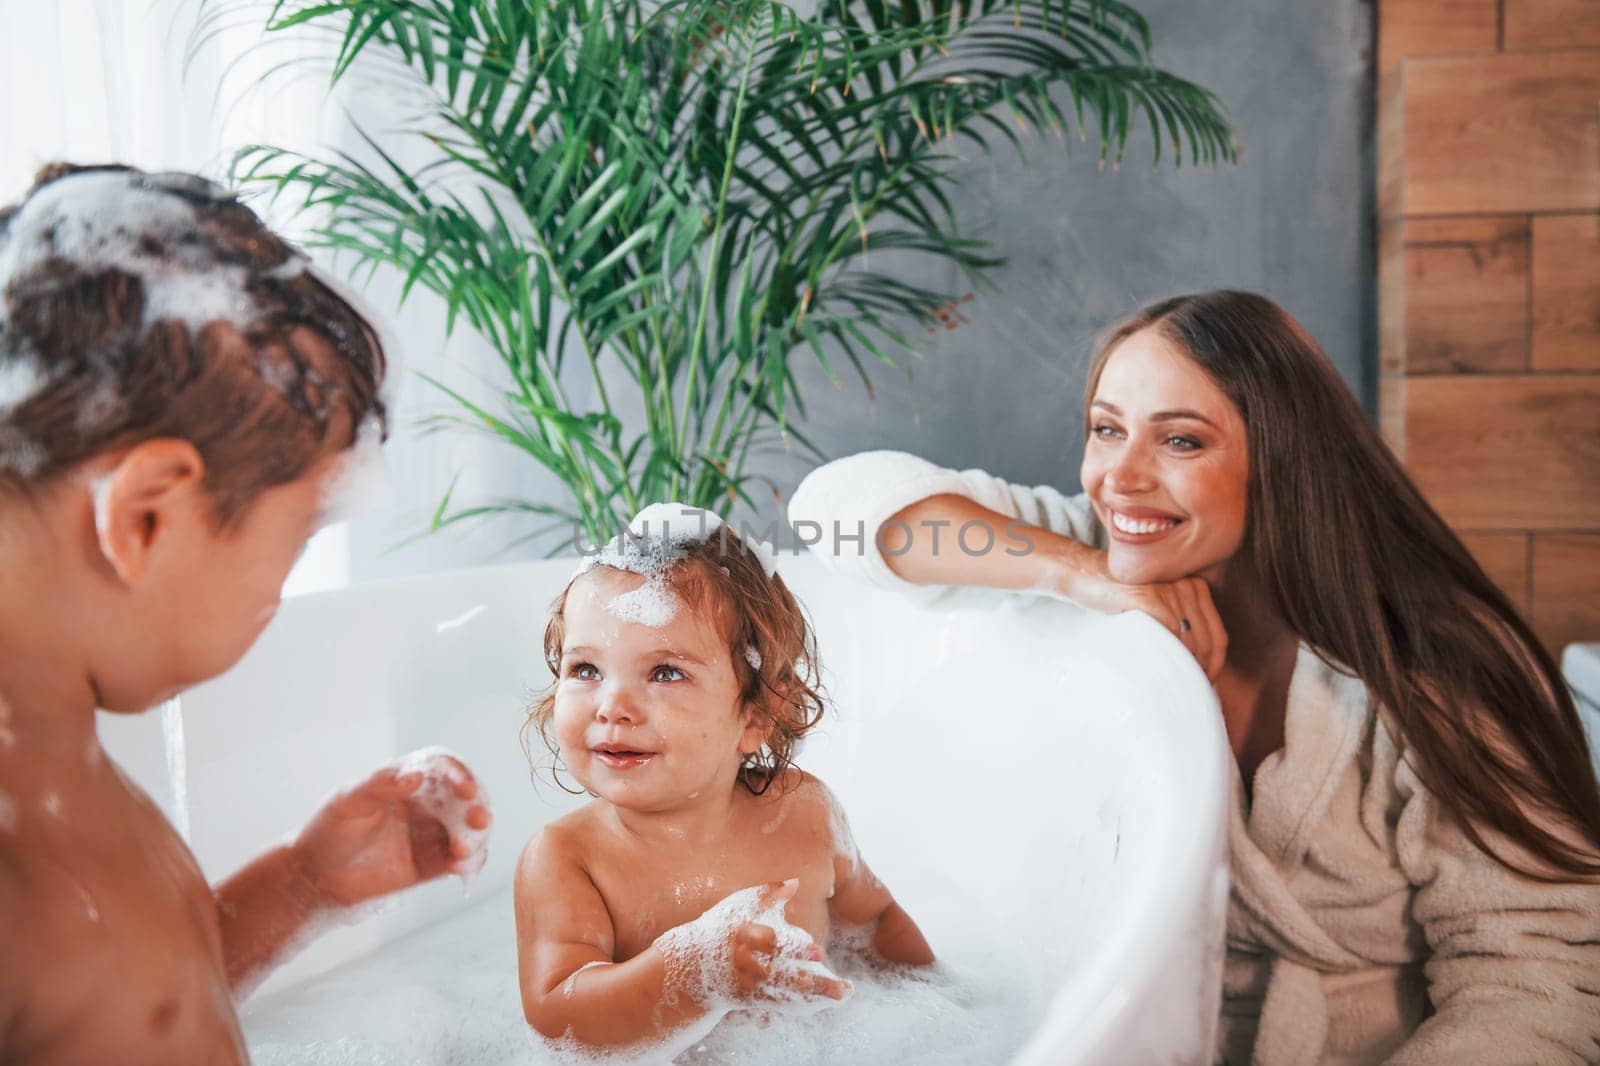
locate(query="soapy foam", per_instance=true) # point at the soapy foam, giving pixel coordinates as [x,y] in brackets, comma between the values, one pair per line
[447,996]
[132,223]
[651,604]
[436,796]
[19,381]
[699,959]
[752,656]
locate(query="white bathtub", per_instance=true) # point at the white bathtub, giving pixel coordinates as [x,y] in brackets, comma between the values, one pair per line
[1030,776]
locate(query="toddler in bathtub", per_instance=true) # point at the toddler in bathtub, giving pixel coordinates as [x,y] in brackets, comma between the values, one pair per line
[705,873]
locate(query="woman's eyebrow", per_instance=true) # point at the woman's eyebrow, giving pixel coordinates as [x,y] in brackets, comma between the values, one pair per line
[1182,413]
[1161,416]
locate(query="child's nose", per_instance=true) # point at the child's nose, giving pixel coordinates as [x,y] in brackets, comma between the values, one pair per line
[616,705]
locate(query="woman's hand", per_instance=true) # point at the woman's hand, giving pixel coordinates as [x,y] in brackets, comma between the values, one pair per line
[389,832]
[1183,606]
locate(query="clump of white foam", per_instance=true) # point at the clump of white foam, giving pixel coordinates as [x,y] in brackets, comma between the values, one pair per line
[651,604]
[752,656]
[133,223]
[20,379]
[700,961]
[657,539]
[436,795]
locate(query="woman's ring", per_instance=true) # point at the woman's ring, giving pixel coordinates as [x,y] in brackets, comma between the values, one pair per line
[1184,626]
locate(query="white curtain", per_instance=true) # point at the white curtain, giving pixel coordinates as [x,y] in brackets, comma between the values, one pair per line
[120,80]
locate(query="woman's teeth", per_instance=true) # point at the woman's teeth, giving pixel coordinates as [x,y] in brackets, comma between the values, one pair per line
[1141,525]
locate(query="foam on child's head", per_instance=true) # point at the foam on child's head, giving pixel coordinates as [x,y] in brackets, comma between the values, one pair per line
[139,224]
[135,305]
[657,539]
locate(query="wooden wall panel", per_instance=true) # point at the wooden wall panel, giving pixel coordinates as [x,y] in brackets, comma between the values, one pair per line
[1440,27]
[1500,134]
[1509,453]
[1566,588]
[1547,23]
[1504,557]
[1466,298]
[1566,293]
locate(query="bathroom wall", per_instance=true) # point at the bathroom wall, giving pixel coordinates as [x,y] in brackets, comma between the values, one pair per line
[1490,285]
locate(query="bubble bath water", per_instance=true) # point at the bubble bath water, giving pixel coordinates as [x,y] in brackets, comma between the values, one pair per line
[447,996]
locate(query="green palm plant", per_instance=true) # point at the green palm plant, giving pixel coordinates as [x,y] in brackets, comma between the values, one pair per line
[687,194]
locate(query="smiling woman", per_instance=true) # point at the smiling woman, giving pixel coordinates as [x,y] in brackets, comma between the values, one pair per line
[1413,786]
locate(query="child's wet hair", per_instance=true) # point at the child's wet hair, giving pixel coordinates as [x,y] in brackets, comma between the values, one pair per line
[292,374]
[753,609]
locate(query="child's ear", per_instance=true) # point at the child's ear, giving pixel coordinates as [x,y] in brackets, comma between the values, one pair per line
[138,499]
[757,727]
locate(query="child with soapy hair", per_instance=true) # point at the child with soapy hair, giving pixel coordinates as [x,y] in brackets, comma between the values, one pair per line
[179,393]
[705,873]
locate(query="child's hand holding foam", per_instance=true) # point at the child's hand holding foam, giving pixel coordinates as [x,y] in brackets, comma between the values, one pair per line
[415,819]
[744,949]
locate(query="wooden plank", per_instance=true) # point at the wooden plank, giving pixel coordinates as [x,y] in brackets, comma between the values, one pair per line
[1500,134]
[1392,413]
[1408,28]
[1466,298]
[1507,453]
[1566,588]
[1504,557]
[1391,146]
[1392,297]
[1566,292]
[1552,24]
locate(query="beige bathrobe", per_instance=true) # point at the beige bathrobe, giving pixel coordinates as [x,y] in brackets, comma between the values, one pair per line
[1363,926]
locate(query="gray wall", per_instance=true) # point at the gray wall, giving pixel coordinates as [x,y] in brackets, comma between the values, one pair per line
[1294,220]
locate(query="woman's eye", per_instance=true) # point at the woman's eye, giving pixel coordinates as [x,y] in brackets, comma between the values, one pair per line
[1187,444]
[1105,432]
[584,672]
[666,673]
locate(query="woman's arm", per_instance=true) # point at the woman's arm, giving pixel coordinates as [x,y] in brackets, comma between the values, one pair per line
[1514,970]
[894,519]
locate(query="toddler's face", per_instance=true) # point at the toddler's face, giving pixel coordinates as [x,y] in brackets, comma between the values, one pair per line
[647,717]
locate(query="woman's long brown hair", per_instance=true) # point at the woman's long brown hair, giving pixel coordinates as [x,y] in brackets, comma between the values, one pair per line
[1367,573]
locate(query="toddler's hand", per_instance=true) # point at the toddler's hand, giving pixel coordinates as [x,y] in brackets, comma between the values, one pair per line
[410,822]
[744,950]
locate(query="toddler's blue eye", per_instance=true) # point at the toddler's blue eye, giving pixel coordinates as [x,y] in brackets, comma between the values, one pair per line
[673,671]
[585,672]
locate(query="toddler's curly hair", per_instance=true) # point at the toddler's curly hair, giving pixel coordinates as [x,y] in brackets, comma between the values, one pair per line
[753,610]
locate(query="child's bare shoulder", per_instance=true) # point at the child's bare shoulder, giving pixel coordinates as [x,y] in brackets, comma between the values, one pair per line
[561,846]
[799,805]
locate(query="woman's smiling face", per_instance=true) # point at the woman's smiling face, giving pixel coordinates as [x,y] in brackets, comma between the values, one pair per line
[1166,465]
[646,717]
